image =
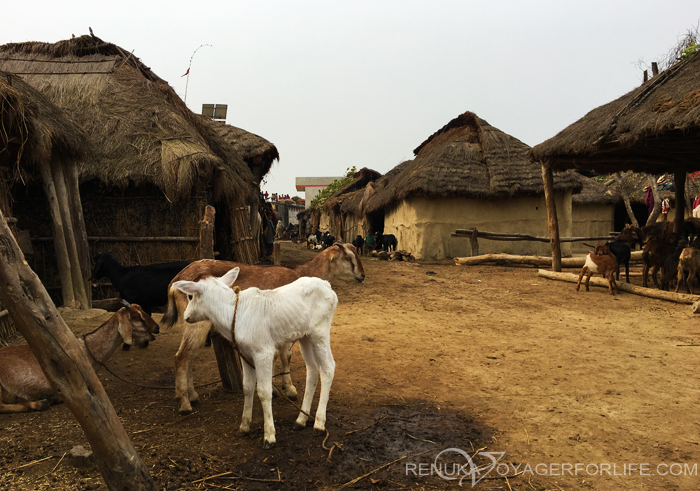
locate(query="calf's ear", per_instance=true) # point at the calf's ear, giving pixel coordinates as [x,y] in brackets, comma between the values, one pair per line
[189,287]
[230,277]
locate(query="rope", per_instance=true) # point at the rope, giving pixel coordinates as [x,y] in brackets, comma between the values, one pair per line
[237,291]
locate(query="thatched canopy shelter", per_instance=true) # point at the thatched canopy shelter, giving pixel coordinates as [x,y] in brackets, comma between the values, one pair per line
[467,174]
[39,139]
[147,146]
[655,128]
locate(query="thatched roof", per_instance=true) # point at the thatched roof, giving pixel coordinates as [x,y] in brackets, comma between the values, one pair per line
[255,150]
[139,129]
[467,158]
[360,180]
[655,129]
[33,129]
[596,192]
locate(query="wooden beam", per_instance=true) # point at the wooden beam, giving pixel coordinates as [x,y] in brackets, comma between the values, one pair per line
[69,233]
[552,220]
[625,287]
[76,208]
[59,241]
[67,369]
[568,262]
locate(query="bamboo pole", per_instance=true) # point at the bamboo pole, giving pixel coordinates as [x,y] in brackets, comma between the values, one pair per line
[68,232]
[64,271]
[67,369]
[552,220]
[625,287]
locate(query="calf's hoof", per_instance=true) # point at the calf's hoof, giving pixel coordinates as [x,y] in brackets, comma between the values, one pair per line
[242,432]
[298,427]
[319,431]
[268,445]
[184,411]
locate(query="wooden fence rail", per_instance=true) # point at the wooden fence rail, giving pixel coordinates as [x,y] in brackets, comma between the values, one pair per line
[475,234]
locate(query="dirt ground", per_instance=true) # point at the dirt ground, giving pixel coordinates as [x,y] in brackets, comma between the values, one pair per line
[578,390]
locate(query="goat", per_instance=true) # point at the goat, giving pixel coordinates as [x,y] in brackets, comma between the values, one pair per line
[327,240]
[689,260]
[385,242]
[602,261]
[657,247]
[311,241]
[359,243]
[23,385]
[623,254]
[338,262]
[671,265]
[143,285]
[260,322]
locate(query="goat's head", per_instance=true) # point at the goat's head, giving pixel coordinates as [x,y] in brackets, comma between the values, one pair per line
[98,270]
[345,263]
[136,326]
[205,294]
[601,250]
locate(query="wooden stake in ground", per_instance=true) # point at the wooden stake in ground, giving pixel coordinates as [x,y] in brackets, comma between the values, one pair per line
[552,220]
[67,369]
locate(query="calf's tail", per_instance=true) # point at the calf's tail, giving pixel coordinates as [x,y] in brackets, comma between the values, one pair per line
[170,317]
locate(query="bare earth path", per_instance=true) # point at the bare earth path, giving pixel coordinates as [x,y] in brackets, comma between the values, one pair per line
[429,357]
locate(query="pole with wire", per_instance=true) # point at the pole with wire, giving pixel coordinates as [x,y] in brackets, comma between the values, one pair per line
[187,73]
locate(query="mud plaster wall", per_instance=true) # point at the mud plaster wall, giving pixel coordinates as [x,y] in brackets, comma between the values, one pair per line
[591,221]
[424,226]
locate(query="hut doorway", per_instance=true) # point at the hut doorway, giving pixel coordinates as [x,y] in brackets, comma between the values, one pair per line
[376,222]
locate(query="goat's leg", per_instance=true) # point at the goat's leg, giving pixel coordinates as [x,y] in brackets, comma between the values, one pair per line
[627,272]
[248,392]
[588,280]
[583,271]
[285,355]
[689,281]
[192,339]
[264,364]
[645,275]
[654,271]
[679,279]
[326,363]
[307,352]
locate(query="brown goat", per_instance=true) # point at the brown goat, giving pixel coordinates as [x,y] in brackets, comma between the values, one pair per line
[689,260]
[338,262]
[23,385]
[602,261]
[657,247]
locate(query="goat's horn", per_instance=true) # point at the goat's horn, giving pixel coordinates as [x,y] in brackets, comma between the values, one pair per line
[125,303]
[339,243]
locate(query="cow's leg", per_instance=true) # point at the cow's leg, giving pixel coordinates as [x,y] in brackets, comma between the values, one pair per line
[312,369]
[192,339]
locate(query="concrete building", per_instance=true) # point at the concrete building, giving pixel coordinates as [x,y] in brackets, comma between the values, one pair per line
[311,186]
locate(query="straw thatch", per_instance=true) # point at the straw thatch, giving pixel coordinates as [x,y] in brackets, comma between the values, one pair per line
[467,158]
[655,129]
[594,192]
[360,180]
[32,129]
[255,150]
[139,129]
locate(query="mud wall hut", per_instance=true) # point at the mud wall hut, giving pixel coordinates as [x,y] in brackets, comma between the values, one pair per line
[153,165]
[468,174]
[592,212]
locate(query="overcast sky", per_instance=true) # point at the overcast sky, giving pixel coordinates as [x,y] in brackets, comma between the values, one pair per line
[339,84]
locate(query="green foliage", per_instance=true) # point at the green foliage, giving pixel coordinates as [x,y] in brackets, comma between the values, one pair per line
[690,51]
[333,187]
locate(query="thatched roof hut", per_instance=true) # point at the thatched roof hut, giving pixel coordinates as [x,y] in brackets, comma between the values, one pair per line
[140,129]
[467,158]
[655,129]
[467,174]
[147,147]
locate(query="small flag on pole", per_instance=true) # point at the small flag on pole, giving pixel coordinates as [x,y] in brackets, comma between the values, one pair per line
[186,73]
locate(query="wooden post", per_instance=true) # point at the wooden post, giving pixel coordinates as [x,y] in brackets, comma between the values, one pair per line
[76,208]
[206,233]
[679,183]
[67,369]
[654,68]
[68,232]
[277,254]
[226,358]
[59,238]
[552,221]
[475,242]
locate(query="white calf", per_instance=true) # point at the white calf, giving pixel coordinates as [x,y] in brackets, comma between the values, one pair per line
[264,321]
